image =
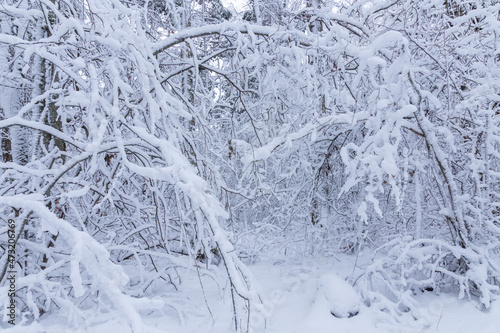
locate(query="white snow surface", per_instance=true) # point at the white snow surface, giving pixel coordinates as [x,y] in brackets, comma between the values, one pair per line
[300,295]
[343,300]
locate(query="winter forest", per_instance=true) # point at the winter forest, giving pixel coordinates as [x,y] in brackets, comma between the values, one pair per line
[252,166]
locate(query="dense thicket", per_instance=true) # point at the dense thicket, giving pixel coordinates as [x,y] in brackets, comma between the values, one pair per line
[168,135]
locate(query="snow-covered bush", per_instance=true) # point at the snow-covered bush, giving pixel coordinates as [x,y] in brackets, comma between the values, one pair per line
[157,134]
[111,173]
[405,268]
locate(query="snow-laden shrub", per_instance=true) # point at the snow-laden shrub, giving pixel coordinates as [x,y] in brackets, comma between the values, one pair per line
[113,172]
[406,268]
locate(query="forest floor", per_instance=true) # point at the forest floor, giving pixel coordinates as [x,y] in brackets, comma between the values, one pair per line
[295,304]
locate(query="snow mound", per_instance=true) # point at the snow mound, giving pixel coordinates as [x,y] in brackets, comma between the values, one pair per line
[343,300]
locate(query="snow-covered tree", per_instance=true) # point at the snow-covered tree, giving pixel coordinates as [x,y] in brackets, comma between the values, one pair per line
[164,133]
[113,176]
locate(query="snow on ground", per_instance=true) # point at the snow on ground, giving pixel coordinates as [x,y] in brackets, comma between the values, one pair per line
[297,303]
[300,307]
[343,300]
